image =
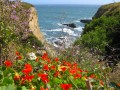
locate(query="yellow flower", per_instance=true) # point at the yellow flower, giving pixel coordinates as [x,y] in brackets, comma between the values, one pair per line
[60,68]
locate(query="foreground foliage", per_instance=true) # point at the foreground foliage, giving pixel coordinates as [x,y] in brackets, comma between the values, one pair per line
[43,73]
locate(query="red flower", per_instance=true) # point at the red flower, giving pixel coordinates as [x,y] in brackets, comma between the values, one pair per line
[27,69]
[41,88]
[80,70]
[56,59]
[77,76]
[101,83]
[44,77]
[19,57]
[56,73]
[92,76]
[45,57]
[17,53]
[46,68]
[8,63]
[73,71]
[53,67]
[75,64]
[67,63]
[66,86]
[28,78]
[63,69]
[36,59]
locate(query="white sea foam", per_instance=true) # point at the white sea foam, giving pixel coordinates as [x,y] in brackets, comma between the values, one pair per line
[77,21]
[58,30]
[65,30]
[69,31]
[79,28]
[88,18]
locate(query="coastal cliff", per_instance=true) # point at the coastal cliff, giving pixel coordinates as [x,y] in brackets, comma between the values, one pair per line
[112,9]
[19,29]
[34,26]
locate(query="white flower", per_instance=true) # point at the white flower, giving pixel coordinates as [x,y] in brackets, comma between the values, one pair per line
[32,56]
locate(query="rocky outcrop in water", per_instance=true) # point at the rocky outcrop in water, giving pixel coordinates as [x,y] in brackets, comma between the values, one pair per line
[72,25]
[85,20]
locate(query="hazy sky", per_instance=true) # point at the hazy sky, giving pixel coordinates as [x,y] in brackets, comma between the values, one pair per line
[70,1]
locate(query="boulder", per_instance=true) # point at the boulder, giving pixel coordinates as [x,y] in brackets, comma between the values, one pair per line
[59,43]
[72,25]
[85,20]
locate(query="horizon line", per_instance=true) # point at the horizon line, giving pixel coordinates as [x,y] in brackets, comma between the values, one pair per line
[68,4]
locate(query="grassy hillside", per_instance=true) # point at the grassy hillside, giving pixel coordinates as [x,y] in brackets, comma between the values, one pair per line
[103,30]
[112,9]
[102,37]
[15,34]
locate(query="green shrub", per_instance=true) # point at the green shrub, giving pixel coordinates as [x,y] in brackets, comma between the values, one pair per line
[101,32]
[34,41]
[95,39]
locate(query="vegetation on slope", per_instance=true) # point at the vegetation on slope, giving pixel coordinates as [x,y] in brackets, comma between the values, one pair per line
[102,36]
[103,31]
[14,29]
[112,9]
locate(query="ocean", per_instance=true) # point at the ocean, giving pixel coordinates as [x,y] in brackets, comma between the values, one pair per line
[51,18]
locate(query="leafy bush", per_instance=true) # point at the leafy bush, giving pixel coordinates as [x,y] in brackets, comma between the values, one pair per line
[34,41]
[101,32]
[95,39]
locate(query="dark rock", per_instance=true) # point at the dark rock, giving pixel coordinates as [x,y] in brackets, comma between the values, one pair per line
[85,20]
[59,43]
[61,38]
[72,25]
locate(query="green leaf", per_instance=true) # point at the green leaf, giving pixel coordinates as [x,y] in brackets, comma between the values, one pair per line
[3,68]
[24,88]
[3,88]
[1,76]
[72,80]
[19,88]
[57,80]
[9,87]
[10,70]
[7,81]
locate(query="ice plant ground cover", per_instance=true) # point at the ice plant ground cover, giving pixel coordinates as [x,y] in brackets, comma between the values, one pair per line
[45,73]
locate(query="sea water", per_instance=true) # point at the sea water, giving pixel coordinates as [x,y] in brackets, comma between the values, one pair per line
[51,18]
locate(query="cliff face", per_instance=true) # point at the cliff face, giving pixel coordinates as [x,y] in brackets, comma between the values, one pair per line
[34,26]
[108,10]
